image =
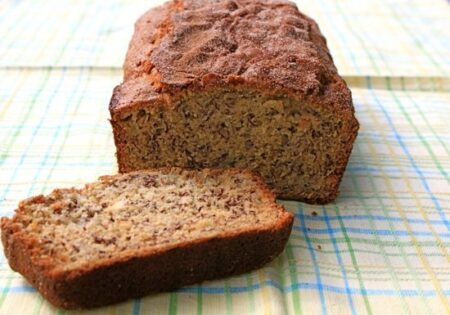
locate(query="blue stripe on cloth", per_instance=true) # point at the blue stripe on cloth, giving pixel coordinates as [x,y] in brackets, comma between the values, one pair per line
[387,169]
[372,217]
[412,137]
[315,286]
[284,289]
[369,231]
[137,307]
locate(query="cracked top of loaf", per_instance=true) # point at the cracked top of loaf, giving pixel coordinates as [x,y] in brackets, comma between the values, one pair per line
[264,44]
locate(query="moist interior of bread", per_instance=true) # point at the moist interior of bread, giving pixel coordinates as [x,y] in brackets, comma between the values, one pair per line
[294,146]
[141,211]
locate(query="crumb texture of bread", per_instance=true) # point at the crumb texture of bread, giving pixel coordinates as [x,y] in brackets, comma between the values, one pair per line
[248,84]
[95,246]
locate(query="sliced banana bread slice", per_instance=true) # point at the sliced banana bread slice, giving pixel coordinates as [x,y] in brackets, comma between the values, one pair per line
[131,234]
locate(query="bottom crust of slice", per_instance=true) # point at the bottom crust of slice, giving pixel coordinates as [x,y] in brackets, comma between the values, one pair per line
[136,276]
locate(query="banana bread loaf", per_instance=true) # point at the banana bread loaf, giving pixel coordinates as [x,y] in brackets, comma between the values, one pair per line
[247,84]
[127,235]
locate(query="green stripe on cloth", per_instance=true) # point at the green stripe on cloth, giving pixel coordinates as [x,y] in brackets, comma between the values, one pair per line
[293,277]
[173,304]
[199,301]
[354,262]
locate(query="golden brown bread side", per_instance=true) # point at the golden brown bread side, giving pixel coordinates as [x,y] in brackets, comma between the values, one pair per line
[247,84]
[129,235]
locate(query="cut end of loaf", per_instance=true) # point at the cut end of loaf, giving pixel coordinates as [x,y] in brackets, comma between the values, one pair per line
[299,149]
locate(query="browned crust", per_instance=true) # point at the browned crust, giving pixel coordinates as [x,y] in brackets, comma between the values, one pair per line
[153,270]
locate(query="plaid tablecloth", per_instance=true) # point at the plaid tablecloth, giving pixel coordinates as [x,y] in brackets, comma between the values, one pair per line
[381,248]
